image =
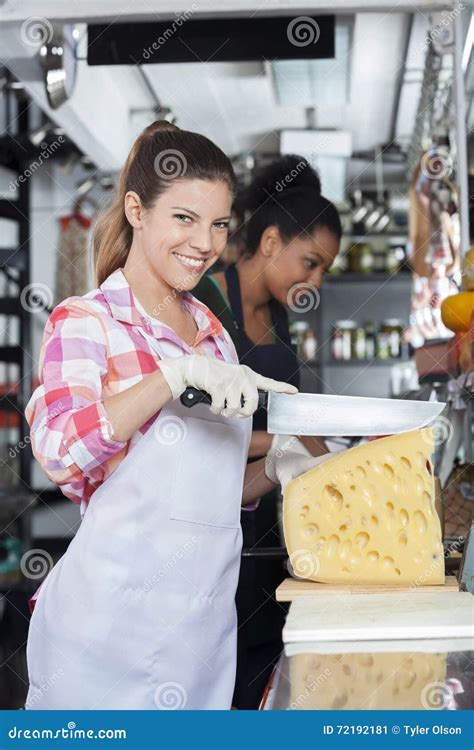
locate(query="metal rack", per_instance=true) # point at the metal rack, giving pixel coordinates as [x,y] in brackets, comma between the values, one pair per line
[15,349]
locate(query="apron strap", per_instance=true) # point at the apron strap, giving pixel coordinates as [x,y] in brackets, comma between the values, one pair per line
[277,311]
[234,294]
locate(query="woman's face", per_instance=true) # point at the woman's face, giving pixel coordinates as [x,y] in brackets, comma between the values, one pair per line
[302,262]
[184,232]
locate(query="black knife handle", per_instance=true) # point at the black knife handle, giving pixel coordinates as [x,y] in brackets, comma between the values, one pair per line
[193,396]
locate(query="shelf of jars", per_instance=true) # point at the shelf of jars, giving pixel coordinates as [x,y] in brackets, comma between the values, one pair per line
[352,343]
[371,254]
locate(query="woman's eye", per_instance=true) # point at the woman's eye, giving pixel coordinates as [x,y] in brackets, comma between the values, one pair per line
[310,263]
[222,224]
[183,217]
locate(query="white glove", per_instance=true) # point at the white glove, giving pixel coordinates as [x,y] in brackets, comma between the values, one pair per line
[288,458]
[226,383]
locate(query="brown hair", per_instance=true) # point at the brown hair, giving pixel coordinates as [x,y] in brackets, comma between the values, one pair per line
[160,154]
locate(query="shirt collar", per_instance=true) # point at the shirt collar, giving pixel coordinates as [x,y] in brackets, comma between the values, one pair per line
[124,306]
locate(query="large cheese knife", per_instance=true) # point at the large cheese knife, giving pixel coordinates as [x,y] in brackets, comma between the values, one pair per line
[320,414]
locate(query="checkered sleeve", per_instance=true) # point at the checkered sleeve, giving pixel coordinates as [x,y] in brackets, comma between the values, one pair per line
[71,435]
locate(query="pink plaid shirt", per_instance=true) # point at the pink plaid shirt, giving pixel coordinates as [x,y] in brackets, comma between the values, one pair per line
[94,346]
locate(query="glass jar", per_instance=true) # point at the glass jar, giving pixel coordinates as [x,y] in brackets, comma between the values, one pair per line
[342,339]
[298,329]
[309,345]
[358,343]
[393,258]
[361,258]
[370,341]
[383,351]
[380,262]
[393,329]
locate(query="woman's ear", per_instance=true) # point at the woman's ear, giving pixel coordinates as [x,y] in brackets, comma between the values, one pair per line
[133,209]
[271,243]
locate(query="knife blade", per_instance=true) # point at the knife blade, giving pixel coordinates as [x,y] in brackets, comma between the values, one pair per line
[321,414]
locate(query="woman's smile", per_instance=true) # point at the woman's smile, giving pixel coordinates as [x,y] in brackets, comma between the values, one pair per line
[190,261]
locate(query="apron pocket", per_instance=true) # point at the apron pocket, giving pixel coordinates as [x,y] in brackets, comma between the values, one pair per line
[208,483]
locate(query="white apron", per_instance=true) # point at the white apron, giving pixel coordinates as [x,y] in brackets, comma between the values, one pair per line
[139,613]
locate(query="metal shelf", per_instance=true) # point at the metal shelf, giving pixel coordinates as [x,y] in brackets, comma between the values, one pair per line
[365,362]
[375,277]
[315,364]
[363,237]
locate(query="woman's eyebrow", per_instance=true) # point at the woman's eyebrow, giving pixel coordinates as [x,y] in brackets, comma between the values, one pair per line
[317,256]
[321,259]
[189,211]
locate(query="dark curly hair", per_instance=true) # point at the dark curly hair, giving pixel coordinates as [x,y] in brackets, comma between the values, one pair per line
[285,194]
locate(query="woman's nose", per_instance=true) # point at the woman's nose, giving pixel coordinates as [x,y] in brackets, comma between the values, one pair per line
[202,240]
[316,278]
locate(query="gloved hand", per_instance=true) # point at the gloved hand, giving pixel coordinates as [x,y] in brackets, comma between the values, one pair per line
[288,458]
[226,383]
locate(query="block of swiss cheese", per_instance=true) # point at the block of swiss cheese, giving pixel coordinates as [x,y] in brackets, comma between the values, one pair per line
[367,515]
[368,681]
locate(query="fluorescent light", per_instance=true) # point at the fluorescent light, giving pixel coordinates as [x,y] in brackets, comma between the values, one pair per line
[306,83]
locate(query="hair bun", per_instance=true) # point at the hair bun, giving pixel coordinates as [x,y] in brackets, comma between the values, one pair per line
[161,126]
[285,176]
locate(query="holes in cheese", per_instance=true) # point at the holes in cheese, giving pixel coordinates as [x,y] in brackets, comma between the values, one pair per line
[399,680]
[367,515]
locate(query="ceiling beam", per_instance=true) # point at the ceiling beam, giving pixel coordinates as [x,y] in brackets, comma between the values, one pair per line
[123,10]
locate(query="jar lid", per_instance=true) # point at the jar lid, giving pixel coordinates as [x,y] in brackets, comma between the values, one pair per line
[298,325]
[345,324]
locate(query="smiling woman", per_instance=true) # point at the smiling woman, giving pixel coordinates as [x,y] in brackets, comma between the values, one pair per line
[154,477]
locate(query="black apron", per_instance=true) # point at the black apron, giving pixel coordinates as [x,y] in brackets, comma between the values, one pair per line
[260,617]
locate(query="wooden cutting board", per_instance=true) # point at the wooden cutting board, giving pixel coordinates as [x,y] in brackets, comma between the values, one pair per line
[292,588]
